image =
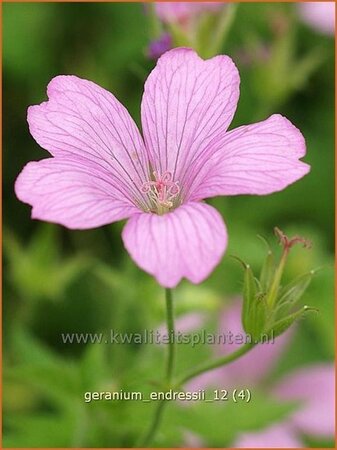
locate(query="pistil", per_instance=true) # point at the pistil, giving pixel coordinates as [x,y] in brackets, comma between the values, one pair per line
[162,192]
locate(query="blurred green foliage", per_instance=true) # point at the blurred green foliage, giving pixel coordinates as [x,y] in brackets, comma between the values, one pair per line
[57,281]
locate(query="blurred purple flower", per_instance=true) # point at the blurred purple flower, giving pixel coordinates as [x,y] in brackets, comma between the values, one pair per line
[313,386]
[103,170]
[319,15]
[170,12]
[281,435]
[159,46]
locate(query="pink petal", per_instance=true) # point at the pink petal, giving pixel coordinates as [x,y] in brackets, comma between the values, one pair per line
[314,386]
[187,104]
[255,159]
[319,15]
[83,119]
[188,242]
[72,191]
[277,436]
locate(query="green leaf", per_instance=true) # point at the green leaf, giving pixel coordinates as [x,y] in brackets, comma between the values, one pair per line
[94,368]
[40,368]
[306,67]
[36,270]
[292,292]
[280,326]
[249,296]
[47,430]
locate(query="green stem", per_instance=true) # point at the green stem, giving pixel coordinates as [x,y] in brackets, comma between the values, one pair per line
[158,414]
[226,20]
[154,424]
[215,364]
[271,298]
[171,336]
[156,27]
[170,368]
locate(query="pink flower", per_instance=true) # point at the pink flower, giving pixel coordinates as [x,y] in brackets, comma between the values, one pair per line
[103,171]
[181,11]
[319,15]
[280,435]
[312,386]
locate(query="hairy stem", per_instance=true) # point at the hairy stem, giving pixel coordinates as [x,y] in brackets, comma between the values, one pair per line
[215,364]
[171,336]
[227,17]
[158,414]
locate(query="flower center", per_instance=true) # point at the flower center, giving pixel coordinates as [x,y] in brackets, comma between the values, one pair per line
[162,192]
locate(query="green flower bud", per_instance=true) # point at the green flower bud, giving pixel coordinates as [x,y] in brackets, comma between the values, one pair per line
[254,307]
[249,295]
[267,306]
[267,271]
